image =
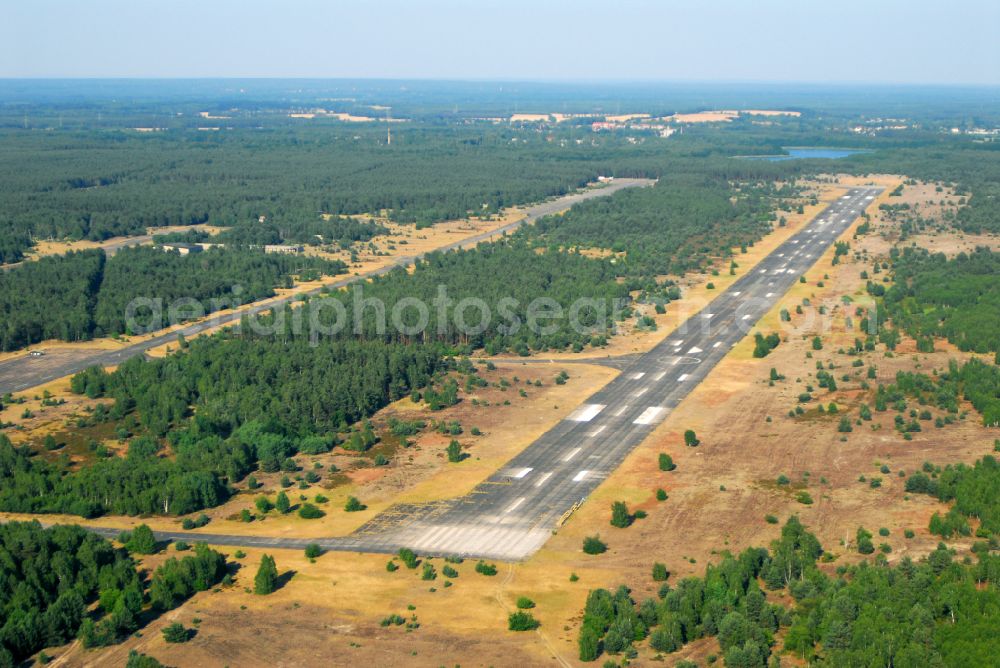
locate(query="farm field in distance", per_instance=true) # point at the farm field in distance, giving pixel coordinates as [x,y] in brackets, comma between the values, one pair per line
[563,382]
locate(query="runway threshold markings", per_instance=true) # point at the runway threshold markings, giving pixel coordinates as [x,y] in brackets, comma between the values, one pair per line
[586,412]
[650,415]
[523,472]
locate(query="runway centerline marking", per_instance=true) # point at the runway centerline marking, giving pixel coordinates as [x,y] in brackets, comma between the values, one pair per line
[621,410]
[639,393]
[580,476]
[597,431]
[514,505]
[571,454]
[545,476]
[637,375]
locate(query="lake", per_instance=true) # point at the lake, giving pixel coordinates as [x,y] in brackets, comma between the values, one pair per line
[803,153]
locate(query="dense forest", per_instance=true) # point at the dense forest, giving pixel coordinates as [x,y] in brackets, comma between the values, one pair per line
[973,489]
[258,398]
[934,612]
[957,299]
[48,577]
[82,295]
[103,183]
[673,227]
[507,276]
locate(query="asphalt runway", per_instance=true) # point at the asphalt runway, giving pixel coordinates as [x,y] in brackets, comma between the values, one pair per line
[23,373]
[510,515]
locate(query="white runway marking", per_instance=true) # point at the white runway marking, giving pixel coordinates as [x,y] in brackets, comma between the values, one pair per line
[522,473]
[639,393]
[769,294]
[514,505]
[580,476]
[682,377]
[544,477]
[694,350]
[737,293]
[621,410]
[660,375]
[597,431]
[708,315]
[677,343]
[763,271]
[746,317]
[650,415]
[586,413]
[676,362]
[717,344]
[637,375]
[571,454]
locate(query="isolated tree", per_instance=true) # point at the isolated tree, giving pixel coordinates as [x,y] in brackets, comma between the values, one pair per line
[408,557]
[619,515]
[310,512]
[660,572]
[266,580]
[142,541]
[175,633]
[454,451]
[594,545]
[690,438]
[263,504]
[666,462]
[282,503]
[313,550]
[522,621]
[353,505]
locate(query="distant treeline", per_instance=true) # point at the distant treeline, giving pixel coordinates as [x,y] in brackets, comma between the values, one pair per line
[342,231]
[99,184]
[671,228]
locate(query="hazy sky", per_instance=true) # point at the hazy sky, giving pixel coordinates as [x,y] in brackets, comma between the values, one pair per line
[902,41]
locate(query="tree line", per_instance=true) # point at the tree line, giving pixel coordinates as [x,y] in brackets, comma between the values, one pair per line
[685,220]
[957,299]
[937,611]
[83,294]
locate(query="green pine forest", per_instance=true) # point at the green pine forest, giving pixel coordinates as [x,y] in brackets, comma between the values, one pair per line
[83,295]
